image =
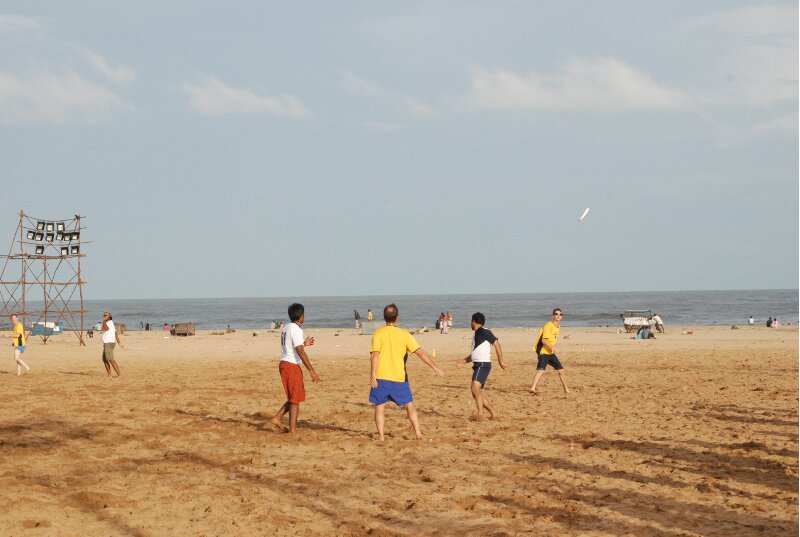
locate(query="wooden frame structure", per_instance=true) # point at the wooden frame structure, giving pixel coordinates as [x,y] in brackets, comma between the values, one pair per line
[43,265]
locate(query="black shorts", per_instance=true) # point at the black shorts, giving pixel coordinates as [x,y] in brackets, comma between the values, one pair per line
[551,359]
[480,371]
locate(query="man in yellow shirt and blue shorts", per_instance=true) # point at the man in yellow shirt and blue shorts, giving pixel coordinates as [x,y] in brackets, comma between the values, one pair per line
[18,336]
[389,379]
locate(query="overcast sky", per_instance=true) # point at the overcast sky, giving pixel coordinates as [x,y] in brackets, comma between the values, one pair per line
[346,148]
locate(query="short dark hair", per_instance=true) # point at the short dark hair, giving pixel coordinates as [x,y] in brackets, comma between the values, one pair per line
[479,318]
[390,313]
[557,310]
[296,311]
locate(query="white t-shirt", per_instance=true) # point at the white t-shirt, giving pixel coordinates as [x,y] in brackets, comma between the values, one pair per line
[482,341]
[657,319]
[110,335]
[291,338]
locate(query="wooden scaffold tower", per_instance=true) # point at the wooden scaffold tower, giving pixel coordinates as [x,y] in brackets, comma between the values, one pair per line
[41,280]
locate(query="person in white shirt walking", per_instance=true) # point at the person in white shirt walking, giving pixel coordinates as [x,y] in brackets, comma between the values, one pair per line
[481,357]
[110,340]
[293,354]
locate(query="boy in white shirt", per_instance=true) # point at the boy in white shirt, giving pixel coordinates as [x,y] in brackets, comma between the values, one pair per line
[292,355]
[481,357]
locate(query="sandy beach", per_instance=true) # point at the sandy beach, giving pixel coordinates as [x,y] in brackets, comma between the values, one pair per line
[688,434]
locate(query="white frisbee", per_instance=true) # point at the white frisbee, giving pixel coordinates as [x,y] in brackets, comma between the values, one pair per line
[584,215]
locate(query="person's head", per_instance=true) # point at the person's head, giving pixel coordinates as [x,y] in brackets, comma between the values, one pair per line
[478,320]
[390,314]
[297,313]
[14,318]
[107,316]
[558,314]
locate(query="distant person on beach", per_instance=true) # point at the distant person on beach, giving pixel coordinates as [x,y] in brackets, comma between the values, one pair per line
[388,354]
[644,333]
[147,327]
[776,323]
[141,325]
[481,357]
[658,323]
[751,321]
[110,340]
[18,343]
[293,353]
[357,317]
[369,315]
[166,327]
[272,325]
[443,323]
[547,351]
[769,322]
[449,320]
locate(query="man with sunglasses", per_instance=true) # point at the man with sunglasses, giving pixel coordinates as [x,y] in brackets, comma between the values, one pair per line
[547,351]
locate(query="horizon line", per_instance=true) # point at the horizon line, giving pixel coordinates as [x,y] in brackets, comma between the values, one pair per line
[448,294]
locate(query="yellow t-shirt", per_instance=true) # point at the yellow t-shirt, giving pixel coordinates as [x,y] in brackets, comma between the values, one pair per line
[19,335]
[548,333]
[393,344]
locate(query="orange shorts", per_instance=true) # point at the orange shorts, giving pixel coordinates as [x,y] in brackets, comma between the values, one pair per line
[292,378]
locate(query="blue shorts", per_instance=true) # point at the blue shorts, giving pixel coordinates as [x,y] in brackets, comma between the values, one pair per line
[548,359]
[389,390]
[480,372]
[20,349]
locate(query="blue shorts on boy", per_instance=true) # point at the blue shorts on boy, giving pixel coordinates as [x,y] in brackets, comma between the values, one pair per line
[388,390]
[549,359]
[480,372]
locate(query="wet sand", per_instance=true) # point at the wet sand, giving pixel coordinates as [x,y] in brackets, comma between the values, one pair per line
[683,435]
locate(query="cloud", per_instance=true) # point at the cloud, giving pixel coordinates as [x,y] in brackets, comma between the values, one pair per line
[55,96]
[752,21]
[13,24]
[118,75]
[760,57]
[359,86]
[728,134]
[212,97]
[604,85]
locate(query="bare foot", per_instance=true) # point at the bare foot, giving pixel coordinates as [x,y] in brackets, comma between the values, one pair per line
[533,392]
[476,417]
[278,425]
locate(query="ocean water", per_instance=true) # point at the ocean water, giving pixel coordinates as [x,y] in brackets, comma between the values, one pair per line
[677,308]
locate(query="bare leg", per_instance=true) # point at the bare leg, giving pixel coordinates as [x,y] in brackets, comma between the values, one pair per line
[563,380]
[380,419]
[115,366]
[539,373]
[276,419]
[475,388]
[108,367]
[412,417]
[20,362]
[294,411]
